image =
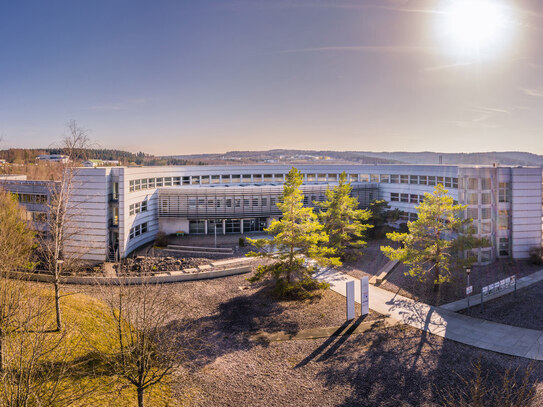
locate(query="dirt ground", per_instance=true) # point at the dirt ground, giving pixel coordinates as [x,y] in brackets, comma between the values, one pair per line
[397,366]
[373,260]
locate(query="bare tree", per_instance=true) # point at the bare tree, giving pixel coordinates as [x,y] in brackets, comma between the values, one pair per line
[147,346]
[16,244]
[61,224]
[39,364]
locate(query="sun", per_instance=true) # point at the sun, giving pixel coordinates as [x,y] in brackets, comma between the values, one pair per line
[475,26]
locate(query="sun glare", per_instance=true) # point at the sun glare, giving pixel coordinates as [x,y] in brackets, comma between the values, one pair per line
[476,26]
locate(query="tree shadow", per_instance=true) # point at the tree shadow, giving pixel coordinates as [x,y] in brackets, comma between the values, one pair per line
[231,327]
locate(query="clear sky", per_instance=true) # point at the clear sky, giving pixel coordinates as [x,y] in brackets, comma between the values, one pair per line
[181,77]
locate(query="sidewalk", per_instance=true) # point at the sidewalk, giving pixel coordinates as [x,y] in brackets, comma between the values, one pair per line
[506,339]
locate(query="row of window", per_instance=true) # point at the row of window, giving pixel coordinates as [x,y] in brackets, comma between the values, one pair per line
[407,198]
[36,216]
[147,183]
[217,202]
[138,230]
[138,207]
[32,198]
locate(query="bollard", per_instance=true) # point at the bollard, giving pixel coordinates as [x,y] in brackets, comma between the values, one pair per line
[364,296]
[349,295]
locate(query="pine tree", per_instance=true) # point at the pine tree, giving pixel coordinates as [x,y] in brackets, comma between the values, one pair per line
[297,237]
[437,240]
[343,221]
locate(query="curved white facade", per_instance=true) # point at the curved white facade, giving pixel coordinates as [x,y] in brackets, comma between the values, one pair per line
[120,208]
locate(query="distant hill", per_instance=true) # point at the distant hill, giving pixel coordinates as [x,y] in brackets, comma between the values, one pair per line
[28,155]
[367,157]
[483,158]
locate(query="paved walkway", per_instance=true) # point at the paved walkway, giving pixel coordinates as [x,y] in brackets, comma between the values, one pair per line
[506,339]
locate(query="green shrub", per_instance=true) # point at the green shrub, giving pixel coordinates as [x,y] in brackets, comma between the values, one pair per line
[161,239]
[241,242]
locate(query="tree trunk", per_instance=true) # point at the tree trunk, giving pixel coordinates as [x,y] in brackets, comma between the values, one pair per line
[140,397]
[1,351]
[57,302]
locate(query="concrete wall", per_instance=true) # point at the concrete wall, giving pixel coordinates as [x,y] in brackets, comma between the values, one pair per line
[525,210]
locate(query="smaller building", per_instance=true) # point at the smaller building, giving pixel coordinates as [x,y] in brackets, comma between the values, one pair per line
[99,163]
[54,157]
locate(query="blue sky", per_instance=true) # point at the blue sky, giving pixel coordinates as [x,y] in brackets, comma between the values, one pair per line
[180,77]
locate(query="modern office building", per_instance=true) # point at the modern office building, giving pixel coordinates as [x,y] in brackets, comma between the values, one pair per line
[117,209]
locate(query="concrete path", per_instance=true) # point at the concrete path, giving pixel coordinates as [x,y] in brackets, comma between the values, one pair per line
[506,339]
[522,282]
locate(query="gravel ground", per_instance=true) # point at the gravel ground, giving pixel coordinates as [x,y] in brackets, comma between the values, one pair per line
[524,310]
[373,260]
[397,366]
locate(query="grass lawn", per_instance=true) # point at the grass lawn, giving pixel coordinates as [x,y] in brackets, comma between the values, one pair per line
[88,330]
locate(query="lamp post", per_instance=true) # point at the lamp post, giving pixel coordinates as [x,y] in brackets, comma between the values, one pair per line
[468,270]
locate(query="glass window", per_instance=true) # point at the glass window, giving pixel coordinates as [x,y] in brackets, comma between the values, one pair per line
[473,183]
[413,179]
[257,178]
[486,256]
[159,182]
[504,246]
[473,213]
[272,201]
[394,179]
[186,180]
[503,220]
[228,202]
[168,181]
[246,202]
[432,180]
[255,202]
[423,179]
[131,189]
[237,202]
[321,177]
[485,183]
[385,178]
[332,177]
[448,182]
[144,183]
[192,202]
[374,177]
[144,227]
[473,199]
[486,198]
[144,206]
[236,179]
[201,202]
[225,179]
[486,213]
[215,179]
[311,177]
[353,177]
[278,177]
[246,178]
[264,201]
[218,202]
[364,178]
[151,182]
[204,179]
[455,183]
[486,228]
[394,197]
[413,198]
[268,177]
[404,179]
[404,197]
[137,185]
[177,181]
